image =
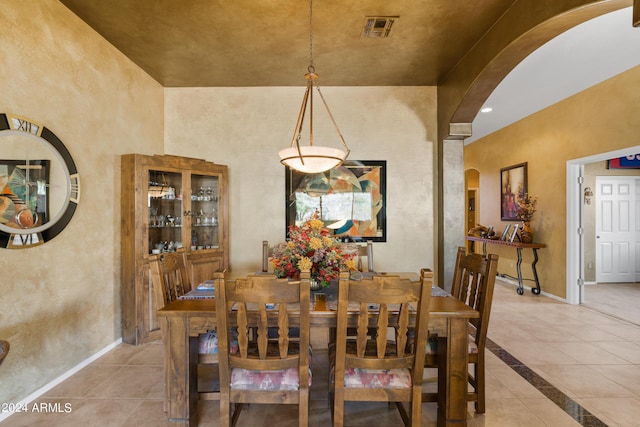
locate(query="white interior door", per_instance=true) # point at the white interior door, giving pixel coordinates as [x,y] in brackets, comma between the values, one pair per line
[615,229]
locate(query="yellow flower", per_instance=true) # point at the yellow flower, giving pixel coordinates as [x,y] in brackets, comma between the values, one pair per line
[304,263]
[316,224]
[327,242]
[315,243]
[291,244]
[351,264]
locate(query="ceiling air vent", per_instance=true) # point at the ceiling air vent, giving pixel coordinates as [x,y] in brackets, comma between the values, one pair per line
[377,27]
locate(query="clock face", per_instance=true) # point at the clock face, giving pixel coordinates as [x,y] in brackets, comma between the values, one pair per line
[39,183]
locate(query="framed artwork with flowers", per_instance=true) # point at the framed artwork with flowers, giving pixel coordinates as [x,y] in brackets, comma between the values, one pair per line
[350,199]
[513,186]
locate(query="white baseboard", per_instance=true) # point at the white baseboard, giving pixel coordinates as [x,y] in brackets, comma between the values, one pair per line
[42,390]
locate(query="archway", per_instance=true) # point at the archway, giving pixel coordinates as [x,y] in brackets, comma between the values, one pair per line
[520,31]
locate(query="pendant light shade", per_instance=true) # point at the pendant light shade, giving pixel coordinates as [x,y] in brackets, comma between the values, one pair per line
[312,158]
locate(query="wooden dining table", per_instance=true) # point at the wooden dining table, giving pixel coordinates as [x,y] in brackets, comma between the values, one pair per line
[187,318]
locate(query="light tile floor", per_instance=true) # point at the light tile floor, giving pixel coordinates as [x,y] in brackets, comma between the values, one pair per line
[542,351]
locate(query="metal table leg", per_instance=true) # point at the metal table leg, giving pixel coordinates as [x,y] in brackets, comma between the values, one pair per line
[535,290]
[520,289]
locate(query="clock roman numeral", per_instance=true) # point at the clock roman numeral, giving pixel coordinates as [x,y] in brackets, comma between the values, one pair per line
[75,188]
[24,125]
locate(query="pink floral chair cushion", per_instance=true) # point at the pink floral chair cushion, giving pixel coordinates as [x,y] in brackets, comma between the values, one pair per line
[283,379]
[286,379]
[371,378]
[376,378]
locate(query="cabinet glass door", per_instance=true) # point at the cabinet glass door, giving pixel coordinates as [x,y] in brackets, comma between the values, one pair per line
[164,201]
[205,192]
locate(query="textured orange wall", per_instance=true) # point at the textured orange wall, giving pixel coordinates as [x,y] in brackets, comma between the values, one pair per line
[600,119]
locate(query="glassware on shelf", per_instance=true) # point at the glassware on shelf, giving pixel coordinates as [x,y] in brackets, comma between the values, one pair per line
[153,219]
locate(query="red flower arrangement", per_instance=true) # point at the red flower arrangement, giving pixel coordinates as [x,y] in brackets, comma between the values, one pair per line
[311,246]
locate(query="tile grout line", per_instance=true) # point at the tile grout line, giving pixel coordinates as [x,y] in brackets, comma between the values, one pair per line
[564,402]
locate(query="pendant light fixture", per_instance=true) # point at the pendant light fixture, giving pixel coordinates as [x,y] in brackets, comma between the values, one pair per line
[312,158]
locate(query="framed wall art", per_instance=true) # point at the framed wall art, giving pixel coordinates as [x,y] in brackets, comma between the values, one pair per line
[513,184]
[351,199]
[627,162]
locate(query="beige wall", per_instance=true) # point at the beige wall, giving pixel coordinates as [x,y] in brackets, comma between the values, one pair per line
[246,127]
[600,119]
[60,302]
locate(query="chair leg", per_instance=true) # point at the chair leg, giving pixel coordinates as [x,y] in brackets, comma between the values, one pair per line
[236,413]
[480,389]
[225,409]
[416,407]
[403,413]
[303,408]
[338,408]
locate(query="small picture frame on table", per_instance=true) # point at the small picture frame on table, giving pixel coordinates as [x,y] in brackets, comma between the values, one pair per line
[505,233]
[514,234]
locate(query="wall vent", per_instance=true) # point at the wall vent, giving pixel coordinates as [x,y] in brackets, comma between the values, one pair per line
[377,27]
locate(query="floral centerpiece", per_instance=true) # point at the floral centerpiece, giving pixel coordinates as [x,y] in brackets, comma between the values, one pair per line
[311,246]
[526,207]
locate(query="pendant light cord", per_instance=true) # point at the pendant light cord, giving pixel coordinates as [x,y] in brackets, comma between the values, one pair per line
[312,68]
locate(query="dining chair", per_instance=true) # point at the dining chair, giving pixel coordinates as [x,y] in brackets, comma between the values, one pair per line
[258,369]
[170,280]
[374,368]
[362,251]
[4,350]
[474,278]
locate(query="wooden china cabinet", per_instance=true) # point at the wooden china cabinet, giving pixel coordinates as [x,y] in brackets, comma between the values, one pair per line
[168,202]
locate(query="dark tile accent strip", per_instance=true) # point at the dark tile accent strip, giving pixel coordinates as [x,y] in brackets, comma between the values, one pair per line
[564,402]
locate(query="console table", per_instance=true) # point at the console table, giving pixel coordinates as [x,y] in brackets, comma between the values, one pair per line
[519,246]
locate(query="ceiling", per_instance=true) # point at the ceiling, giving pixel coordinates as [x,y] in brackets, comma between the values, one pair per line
[241,43]
[244,43]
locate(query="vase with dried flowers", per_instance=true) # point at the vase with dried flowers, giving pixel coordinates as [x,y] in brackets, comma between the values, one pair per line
[311,246]
[526,209]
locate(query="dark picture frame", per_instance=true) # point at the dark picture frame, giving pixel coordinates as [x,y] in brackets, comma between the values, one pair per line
[513,184]
[350,198]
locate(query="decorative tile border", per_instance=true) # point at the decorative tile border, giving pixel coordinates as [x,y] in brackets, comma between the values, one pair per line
[564,402]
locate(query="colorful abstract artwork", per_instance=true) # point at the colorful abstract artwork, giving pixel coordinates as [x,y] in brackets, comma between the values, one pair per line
[350,199]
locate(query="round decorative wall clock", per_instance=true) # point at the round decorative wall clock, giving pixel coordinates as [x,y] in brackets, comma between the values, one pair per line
[39,183]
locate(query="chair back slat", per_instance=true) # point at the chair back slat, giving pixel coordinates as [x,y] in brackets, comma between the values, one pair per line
[381,338]
[402,330]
